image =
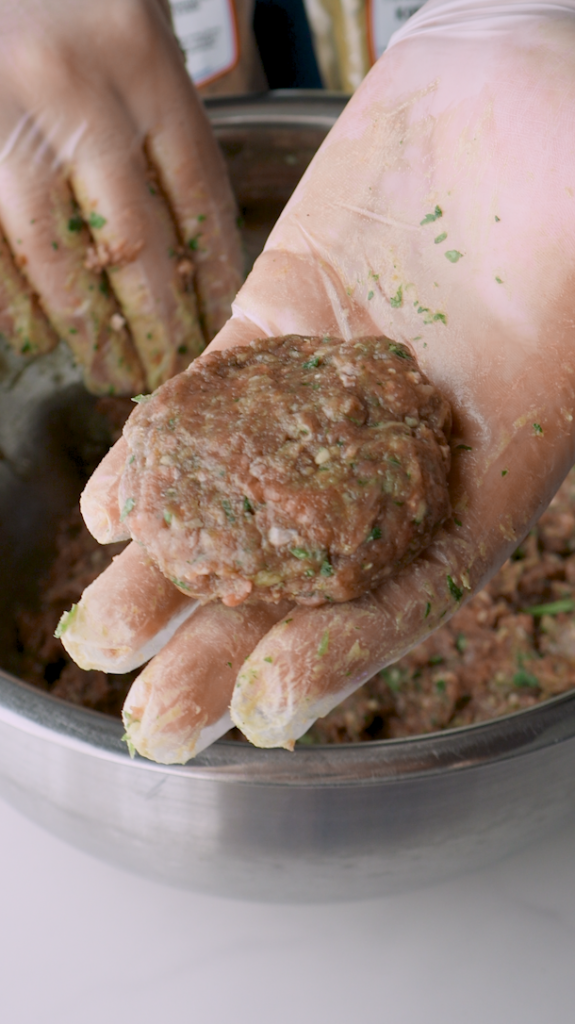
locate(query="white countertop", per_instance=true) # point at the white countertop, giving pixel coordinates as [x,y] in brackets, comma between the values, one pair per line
[85,943]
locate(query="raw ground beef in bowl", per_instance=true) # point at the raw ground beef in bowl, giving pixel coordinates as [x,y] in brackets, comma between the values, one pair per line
[511,647]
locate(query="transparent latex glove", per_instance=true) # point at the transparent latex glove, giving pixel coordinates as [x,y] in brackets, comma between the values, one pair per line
[440,212]
[115,209]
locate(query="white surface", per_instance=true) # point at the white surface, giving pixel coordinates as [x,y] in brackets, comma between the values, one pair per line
[84,943]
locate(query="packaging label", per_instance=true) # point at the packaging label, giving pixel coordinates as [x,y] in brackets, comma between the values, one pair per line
[208,33]
[384,18]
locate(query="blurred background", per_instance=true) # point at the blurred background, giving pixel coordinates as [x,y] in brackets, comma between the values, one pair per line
[241,46]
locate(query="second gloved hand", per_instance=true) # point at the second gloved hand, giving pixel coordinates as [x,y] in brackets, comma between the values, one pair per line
[118,220]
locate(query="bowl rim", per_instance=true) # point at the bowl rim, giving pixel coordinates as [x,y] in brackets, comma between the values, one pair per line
[33,711]
[278,108]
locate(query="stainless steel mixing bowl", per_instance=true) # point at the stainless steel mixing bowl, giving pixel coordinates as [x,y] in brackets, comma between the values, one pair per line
[323,823]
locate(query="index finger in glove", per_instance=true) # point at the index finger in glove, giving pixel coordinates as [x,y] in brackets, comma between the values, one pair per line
[181,146]
[125,616]
[192,174]
[99,501]
[179,704]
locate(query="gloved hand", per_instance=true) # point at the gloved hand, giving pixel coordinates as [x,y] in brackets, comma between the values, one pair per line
[114,203]
[440,212]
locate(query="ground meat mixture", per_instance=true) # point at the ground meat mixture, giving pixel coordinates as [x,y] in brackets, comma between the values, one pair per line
[40,658]
[510,647]
[298,467]
[492,658]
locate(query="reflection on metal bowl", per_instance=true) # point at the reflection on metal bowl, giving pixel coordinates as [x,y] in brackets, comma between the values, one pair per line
[323,823]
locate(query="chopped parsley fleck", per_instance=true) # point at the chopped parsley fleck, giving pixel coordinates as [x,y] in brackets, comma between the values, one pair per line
[463,448]
[326,568]
[440,685]
[300,553]
[140,398]
[375,533]
[504,472]
[75,223]
[454,590]
[396,301]
[460,642]
[398,350]
[194,243]
[228,510]
[441,237]
[201,218]
[310,364]
[370,296]
[54,245]
[229,663]
[128,506]
[497,218]
[439,316]
[247,506]
[179,583]
[567,604]
[152,190]
[524,678]
[457,521]
[427,610]
[306,741]
[499,281]
[430,217]
[95,220]
[453,255]
[72,330]
[538,428]
[131,748]
[269,660]
[168,516]
[65,620]
[323,644]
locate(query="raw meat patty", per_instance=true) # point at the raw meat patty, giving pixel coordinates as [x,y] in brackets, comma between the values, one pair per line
[306,468]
